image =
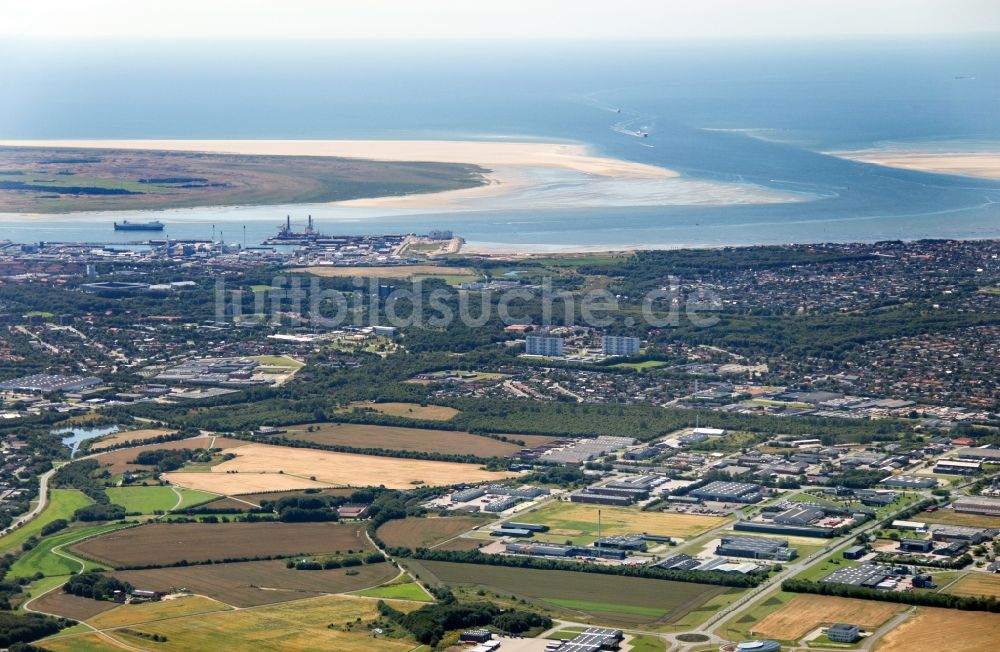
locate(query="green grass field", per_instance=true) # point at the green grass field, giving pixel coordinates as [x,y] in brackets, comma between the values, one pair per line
[149,500]
[143,500]
[614,601]
[62,504]
[43,559]
[640,366]
[278,361]
[739,627]
[407,591]
[648,643]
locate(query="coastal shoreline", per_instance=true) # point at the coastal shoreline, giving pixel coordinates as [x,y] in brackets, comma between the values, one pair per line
[978,161]
[523,175]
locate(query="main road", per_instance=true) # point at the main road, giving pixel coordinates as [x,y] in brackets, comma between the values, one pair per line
[43,500]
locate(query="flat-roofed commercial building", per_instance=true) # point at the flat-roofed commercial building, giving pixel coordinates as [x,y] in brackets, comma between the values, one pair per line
[733,492]
[843,632]
[958,467]
[910,482]
[45,383]
[978,505]
[981,454]
[756,548]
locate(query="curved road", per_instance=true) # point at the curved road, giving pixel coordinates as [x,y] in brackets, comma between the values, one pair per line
[43,500]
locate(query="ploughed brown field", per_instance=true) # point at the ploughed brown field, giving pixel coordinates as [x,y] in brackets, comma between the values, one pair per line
[422,440]
[67,605]
[120,461]
[248,584]
[426,532]
[168,543]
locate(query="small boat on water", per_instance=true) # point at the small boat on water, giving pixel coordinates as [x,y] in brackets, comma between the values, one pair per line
[125,225]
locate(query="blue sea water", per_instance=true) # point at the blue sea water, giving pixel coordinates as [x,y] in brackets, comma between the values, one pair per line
[749,112]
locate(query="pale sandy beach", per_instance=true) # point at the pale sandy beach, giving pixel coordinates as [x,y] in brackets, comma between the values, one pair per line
[979,163]
[520,175]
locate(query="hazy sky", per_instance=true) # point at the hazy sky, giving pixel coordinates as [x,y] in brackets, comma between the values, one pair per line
[492,19]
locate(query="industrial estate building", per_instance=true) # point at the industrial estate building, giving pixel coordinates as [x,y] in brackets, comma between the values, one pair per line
[958,467]
[910,482]
[45,383]
[543,345]
[978,505]
[756,548]
[211,371]
[594,639]
[730,492]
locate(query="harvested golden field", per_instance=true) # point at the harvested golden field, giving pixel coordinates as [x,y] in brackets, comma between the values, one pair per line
[59,603]
[234,484]
[804,613]
[977,584]
[351,469]
[168,543]
[934,630]
[426,532]
[120,460]
[313,624]
[129,437]
[409,410]
[253,583]
[421,440]
[144,612]
[397,271]
[91,642]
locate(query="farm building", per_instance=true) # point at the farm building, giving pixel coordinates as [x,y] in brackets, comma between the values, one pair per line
[352,510]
